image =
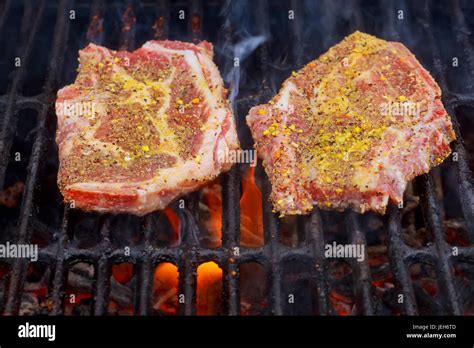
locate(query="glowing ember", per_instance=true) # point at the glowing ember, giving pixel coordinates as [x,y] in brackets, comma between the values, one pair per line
[166,288]
[209,289]
[122,272]
[342,304]
[454,232]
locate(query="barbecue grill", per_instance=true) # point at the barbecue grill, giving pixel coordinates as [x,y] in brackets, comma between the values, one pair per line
[40,40]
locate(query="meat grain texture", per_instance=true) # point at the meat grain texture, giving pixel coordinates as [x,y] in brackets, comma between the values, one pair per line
[351,128]
[138,129]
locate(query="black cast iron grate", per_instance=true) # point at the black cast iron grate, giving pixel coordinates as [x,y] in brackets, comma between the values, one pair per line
[60,253]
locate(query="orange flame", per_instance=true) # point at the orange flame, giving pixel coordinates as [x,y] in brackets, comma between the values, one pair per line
[175,223]
[209,288]
[122,272]
[251,217]
[212,200]
[166,288]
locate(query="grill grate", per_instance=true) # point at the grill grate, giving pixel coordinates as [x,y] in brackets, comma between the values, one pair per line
[60,253]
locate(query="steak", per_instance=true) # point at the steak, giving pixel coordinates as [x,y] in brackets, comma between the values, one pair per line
[138,129]
[351,128]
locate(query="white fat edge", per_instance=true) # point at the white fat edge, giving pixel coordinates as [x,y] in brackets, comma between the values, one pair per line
[289,200]
[78,124]
[231,138]
[429,112]
[283,101]
[437,126]
[428,130]
[231,135]
[218,113]
[378,201]
[78,121]
[94,186]
[142,197]
[82,121]
[364,179]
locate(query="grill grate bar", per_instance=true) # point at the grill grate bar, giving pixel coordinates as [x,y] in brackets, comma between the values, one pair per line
[15,288]
[5,12]
[466,191]
[271,234]
[60,263]
[231,239]
[270,223]
[433,220]
[195,22]
[314,236]
[10,118]
[230,184]
[397,256]
[462,35]
[464,173]
[161,26]
[188,284]
[95,30]
[103,271]
[127,35]
[361,269]
[297,32]
[146,267]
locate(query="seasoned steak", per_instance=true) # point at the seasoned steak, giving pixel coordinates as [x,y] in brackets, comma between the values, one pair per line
[351,128]
[138,129]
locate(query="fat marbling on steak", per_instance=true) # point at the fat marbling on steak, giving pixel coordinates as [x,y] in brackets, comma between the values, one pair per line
[138,129]
[351,128]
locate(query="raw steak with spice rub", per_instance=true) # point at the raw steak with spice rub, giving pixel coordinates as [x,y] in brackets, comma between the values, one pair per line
[351,128]
[138,129]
